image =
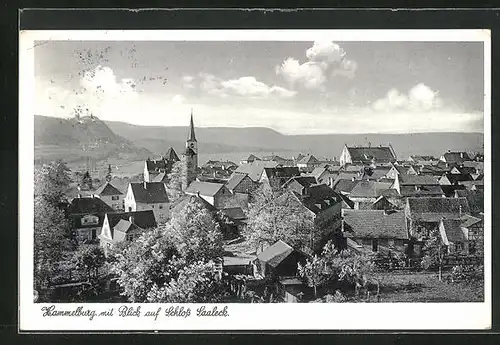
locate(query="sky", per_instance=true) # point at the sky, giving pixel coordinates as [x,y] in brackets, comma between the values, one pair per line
[312,87]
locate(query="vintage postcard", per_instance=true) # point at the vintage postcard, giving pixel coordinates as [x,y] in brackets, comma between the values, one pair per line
[255,180]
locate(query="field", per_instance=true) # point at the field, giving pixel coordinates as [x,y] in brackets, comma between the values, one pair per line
[425,287]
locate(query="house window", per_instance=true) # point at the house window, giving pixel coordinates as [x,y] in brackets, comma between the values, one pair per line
[161,207]
[94,234]
[375,245]
[390,242]
[472,247]
[115,197]
[459,246]
[152,206]
[130,237]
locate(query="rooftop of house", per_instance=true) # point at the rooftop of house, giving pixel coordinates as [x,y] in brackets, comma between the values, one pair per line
[179,204]
[421,190]
[107,189]
[456,178]
[252,158]
[431,207]
[255,169]
[319,198]
[235,180]
[417,180]
[172,155]
[149,192]
[275,254]
[369,189]
[422,158]
[88,205]
[235,213]
[374,224]
[468,220]
[142,219]
[453,230]
[304,181]
[318,171]
[161,177]
[456,157]
[158,165]
[125,226]
[364,154]
[475,199]
[308,159]
[204,188]
[281,172]
[344,185]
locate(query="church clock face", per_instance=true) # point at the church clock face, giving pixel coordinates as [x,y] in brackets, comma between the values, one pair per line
[191,145]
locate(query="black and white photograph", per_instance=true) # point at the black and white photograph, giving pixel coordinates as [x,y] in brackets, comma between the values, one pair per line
[229,170]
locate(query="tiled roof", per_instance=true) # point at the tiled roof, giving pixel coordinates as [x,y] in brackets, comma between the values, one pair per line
[369,189]
[308,159]
[320,197]
[468,220]
[317,172]
[343,185]
[255,169]
[456,157]
[124,226]
[142,219]
[161,177]
[235,213]
[419,207]
[365,154]
[275,254]
[252,158]
[475,199]
[374,224]
[107,189]
[422,158]
[417,180]
[456,178]
[418,190]
[453,230]
[282,172]
[88,205]
[149,192]
[172,155]
[158,165]
[204,188]
[469,184]
[304,181]
[235,180]
[179,204]
[473,164]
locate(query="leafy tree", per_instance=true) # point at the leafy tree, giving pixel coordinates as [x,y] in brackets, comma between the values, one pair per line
[51,228]
[89,259]
[434,252]
[51,181]
[196,233]
[196,283]
[279,218]
[175,177]
[313,272]
[150,260]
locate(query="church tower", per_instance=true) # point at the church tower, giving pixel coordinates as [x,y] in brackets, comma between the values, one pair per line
[190,157]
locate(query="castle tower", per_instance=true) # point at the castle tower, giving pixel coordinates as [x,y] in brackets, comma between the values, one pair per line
[190,157]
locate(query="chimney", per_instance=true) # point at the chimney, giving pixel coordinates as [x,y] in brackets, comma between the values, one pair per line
[145,185]
[460,211]
[131,219]
[461,155]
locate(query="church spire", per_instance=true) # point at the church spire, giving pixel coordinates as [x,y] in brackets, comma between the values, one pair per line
[191,137]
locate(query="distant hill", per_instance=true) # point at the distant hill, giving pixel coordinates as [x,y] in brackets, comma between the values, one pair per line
[73,140]
[215,140]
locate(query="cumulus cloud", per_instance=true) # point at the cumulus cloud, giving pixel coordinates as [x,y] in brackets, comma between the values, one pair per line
[102,81]
[178,99]
[325,59]
[248,87]
[419,98]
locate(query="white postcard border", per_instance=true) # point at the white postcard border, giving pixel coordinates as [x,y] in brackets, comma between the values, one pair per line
[311,316]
